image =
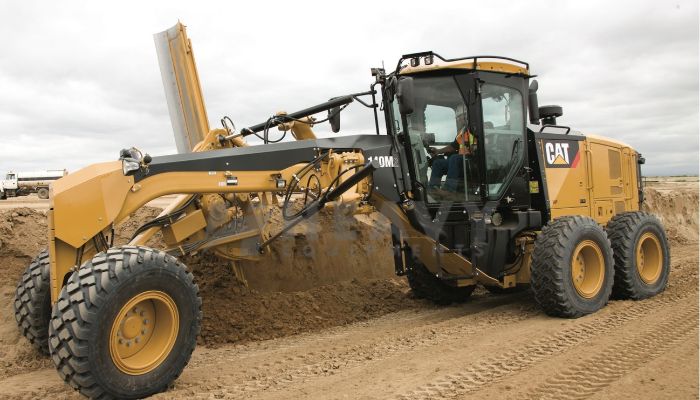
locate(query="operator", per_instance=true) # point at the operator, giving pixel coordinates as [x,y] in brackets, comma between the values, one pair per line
[464,145]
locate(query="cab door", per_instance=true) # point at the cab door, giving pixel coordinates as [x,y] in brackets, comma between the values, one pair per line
[497,117]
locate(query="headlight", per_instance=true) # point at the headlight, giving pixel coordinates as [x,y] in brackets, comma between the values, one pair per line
[130,166]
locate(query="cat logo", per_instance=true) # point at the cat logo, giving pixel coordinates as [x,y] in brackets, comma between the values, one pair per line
[561,153]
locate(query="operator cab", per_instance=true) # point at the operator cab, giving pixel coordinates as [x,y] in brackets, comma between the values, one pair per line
[463,150]
[462,126]
[465,132]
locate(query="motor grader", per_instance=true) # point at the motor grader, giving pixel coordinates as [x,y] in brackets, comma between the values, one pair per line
[525,203]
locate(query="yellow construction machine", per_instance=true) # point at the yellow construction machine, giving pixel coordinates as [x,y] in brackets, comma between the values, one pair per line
[481,185]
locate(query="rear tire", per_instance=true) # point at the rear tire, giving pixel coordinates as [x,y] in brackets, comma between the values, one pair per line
[572,267]
[427,286]
[642,255]
[43,193]
[32,303]
[125,324]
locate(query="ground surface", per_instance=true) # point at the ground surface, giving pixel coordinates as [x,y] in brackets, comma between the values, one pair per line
[369,339]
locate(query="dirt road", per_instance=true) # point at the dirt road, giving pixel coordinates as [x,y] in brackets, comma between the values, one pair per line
[493,347]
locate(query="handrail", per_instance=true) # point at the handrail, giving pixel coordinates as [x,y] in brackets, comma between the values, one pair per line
[475,58]
[568,128]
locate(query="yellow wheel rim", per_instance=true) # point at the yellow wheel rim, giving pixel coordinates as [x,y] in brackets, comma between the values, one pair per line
[587,269]
[144,332]
[649,258]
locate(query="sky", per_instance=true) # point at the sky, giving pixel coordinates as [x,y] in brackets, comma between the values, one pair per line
[79,80]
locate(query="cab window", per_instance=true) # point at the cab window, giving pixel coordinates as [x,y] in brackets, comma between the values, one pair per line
[440,114]
[503,116]
[441,122]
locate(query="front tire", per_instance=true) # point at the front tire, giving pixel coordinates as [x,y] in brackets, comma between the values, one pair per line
[642,256]
[425,285]
[572,267]
[32,305]
[125,324]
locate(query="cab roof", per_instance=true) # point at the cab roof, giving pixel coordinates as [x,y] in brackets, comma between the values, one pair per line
[433,62]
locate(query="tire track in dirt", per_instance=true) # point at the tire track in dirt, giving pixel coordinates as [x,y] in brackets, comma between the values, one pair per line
[283,372]
[226,372]
[591,375]
[416,318]
[327,350]
[496,368]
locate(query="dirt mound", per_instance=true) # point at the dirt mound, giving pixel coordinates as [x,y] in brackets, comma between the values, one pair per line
[22,236]
[126,230]
[329,271]
[236,313]
[16,354]
[678,210]
[326,249]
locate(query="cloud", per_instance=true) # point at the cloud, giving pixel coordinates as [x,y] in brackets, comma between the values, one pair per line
[80,80]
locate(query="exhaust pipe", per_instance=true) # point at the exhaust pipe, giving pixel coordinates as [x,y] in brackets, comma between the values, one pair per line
[533,106]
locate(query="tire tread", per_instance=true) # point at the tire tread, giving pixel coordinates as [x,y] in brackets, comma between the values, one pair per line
[622,230]
[32,303]
[77,309]
[549,257]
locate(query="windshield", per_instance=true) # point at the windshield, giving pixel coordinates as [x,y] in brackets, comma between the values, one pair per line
[503,115]
[444,150]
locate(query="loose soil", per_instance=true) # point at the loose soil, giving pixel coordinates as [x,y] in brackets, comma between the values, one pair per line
[323,317]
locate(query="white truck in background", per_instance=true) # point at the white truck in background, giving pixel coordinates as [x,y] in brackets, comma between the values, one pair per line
[23,183]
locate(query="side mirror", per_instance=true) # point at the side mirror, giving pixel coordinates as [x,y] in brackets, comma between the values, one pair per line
[532,105]
[404,94]
[334,119]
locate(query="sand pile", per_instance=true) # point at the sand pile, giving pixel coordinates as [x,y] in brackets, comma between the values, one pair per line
[325,272]
[126,230]
[328,271]
[325,249]
[23,234]
[678,210]
[236,313]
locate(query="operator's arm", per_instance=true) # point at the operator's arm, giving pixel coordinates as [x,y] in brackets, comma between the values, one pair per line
[445,150]
[450,148]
